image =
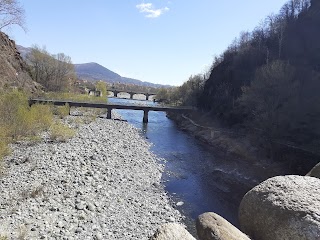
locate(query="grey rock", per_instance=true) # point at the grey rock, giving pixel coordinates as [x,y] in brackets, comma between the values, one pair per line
[98,236]
[91,207]
[60,224]
[80,206]
[315,172]
[179,204]
[211,226]
[283,207]
[172,231]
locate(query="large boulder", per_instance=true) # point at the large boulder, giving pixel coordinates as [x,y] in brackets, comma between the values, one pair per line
[211,226]
[315,172]
[283,207]
[172,231]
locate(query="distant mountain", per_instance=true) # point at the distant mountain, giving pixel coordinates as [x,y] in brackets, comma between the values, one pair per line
[94,72]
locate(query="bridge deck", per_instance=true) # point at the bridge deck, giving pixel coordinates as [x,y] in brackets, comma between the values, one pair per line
[129,91]
[109,107]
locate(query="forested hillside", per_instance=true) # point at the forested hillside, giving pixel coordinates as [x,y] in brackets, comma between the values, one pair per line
[268,80]
[266,84]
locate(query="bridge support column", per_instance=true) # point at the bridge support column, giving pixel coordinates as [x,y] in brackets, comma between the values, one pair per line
[131,95]
[109,113]
[147,97]
[145,116]
[115,94]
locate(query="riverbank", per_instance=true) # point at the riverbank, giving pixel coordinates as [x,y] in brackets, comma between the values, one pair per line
[239,166]
[102,184]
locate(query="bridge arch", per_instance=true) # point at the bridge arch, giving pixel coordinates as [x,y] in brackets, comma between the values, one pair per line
[131,93]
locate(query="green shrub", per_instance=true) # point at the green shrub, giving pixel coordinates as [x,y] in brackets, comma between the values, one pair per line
[4,148]
[62,111]
[60,132]
[20,120]
[42,116]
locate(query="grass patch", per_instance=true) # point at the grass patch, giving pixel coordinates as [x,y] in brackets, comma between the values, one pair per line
[61,111]
[19,121]
[73,97]
[60,132]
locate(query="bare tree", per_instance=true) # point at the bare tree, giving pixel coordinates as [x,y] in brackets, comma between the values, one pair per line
[11,13]
[54,72]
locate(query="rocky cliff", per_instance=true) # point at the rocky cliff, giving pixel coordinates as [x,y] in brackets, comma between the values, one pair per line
[13,70]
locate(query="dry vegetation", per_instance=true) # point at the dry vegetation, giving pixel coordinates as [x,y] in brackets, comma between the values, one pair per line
[19,121]
[72,97]
[60,132]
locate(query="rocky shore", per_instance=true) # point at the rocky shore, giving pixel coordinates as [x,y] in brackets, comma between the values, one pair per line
[102,184]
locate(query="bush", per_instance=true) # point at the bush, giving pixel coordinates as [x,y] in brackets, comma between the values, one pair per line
[60,132]
[42,116]
[20,120]
[62,111]
[73,97]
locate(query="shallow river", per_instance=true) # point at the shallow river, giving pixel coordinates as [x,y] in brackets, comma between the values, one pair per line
[189,165]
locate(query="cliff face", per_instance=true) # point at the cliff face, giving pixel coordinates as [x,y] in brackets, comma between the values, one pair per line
[13,70]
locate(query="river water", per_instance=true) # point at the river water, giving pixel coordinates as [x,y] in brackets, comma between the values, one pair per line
[189,166]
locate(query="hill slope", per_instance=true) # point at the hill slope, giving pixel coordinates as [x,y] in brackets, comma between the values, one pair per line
[13,70]
[94,71]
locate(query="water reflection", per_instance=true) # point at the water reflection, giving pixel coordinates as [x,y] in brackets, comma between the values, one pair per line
[189,166]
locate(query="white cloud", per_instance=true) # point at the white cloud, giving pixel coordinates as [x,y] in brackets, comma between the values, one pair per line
[150,10]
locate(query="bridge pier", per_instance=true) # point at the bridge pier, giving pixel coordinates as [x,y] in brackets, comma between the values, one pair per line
[145,116]
[131,95]
[109,107]
[147,97]
[115,94]
[109,113]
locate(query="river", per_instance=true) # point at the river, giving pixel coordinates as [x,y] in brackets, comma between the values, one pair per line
[189,166]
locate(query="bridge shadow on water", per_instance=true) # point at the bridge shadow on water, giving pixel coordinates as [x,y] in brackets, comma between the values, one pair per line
[189,167]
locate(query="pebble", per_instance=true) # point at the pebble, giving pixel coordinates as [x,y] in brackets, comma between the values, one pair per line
[80,206]
[60,224]
[91,207]
[179,204]
[98,236]
[85,197]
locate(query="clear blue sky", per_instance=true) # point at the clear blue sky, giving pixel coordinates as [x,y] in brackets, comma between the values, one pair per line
[159,41]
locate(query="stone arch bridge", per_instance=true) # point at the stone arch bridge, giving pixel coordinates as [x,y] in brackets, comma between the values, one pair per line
[132,93]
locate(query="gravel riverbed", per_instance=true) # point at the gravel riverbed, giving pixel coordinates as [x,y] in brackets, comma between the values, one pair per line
[104,183]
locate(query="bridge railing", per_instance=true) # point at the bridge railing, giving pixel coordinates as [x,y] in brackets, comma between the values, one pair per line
[109,107]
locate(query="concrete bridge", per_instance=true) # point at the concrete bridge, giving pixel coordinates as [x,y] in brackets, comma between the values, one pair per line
[109,107]
[132,93]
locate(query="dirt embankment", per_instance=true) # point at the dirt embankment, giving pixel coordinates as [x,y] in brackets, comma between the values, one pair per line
[236,142]
[249,162]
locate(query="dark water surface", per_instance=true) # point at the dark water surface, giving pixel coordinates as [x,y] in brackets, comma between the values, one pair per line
[189,166]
